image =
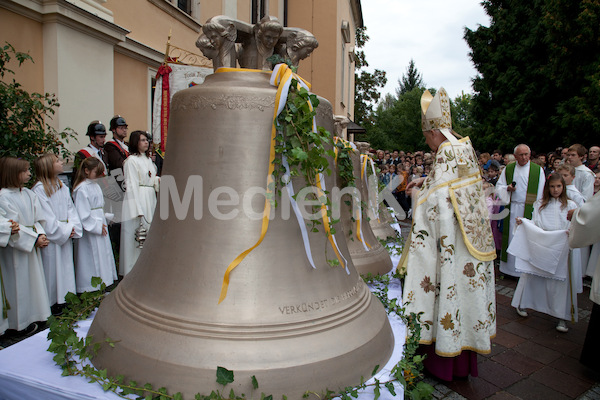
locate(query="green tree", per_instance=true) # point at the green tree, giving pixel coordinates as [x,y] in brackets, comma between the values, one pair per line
[461,117]
[366,84]
[24,128]
[412,79]
[399,126]
[539,76]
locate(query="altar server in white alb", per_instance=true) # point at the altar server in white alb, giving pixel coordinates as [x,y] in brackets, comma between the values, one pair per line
[94,251]
[21,261]
[8,228]
[449,253]
[61,224]
[141,186]
[519,186]
[584,177]
[552,292]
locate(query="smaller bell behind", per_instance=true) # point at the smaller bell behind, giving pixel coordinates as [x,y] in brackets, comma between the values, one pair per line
[381,223]
[368,255]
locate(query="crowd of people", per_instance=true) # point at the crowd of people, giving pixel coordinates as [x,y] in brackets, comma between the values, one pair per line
[408,166]
[53,240]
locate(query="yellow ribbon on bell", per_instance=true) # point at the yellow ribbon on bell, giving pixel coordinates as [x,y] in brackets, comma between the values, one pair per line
[280,76]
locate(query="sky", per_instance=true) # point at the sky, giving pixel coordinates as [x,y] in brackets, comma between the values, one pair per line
[428,31]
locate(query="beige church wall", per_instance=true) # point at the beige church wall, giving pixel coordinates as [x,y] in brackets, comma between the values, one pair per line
[26,36]
[76,68]
[317,69]
[209,9]
[347,96]
[244,9]
[131,93]
[150,25]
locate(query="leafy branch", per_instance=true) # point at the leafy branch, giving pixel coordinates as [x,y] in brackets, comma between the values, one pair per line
[25,131]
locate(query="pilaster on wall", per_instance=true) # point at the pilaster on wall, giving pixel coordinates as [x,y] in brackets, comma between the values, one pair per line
[78,40]
[74,64]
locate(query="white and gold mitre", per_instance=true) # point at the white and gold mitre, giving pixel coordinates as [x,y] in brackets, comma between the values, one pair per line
[435,111]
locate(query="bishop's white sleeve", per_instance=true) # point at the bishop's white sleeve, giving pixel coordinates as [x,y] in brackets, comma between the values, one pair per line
[584,224]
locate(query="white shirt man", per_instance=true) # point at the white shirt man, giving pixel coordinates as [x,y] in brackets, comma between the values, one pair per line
[584,177]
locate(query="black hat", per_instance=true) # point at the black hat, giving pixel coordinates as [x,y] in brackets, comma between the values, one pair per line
[117,121]
[96,128]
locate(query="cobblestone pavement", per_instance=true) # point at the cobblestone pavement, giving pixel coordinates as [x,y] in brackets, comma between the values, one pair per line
[529,358]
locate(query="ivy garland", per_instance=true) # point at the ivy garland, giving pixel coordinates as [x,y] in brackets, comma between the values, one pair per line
[74,354]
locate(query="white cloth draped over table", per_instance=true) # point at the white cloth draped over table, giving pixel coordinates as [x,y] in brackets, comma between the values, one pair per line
[27,370]
[94,254]
[517,205]
[140,200]
[556,296]
[21,261]
[60,218]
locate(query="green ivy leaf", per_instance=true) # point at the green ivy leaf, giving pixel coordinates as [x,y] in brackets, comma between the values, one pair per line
[390,387]
[254,382]
[375,370]
[224,376]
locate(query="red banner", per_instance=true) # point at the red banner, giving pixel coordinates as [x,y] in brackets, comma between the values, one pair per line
[164,72]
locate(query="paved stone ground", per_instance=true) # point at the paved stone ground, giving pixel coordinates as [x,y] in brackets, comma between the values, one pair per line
[529,358]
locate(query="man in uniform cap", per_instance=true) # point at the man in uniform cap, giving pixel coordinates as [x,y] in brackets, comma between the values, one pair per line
[97,133]
[116,152]
[116,149]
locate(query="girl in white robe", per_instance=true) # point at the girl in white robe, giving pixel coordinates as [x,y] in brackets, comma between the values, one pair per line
[94,255]
[141,185]
[21,261]
[61,224]
[550,296]
[8,228]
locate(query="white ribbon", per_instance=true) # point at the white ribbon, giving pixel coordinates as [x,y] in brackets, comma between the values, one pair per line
[289,186]
[324,188]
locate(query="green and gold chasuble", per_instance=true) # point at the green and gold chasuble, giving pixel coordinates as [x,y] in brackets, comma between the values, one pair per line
[448,256]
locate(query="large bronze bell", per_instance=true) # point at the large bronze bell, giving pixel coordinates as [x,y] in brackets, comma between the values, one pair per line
[294,327]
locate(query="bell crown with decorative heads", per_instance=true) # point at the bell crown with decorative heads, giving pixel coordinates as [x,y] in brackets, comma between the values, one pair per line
[435,111]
